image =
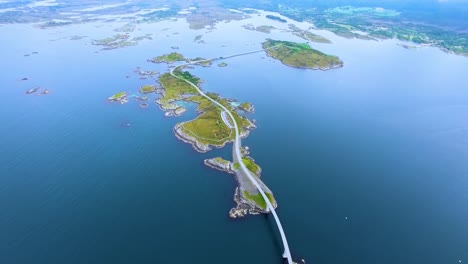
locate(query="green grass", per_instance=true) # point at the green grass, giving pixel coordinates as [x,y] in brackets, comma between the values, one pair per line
[118,95]
[251,165]
[221,160]
[147,89]
[168,58]
[187,76]
[258,198]
[299,55]
[246,106]
[202,102]
[209,128]
[198,59]
[241,121]
[174,88]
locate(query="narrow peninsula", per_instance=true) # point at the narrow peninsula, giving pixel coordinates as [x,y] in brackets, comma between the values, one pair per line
[212,127]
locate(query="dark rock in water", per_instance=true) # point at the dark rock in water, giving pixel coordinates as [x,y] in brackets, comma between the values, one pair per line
[27,55]
[276,18]
[24,79]
[33,90]
[125,124]
[46,91]
[35,52]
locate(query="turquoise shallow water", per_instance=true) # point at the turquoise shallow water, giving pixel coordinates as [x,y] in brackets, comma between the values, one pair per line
[368,162]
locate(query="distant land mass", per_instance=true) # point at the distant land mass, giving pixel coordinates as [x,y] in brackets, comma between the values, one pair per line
[277,18]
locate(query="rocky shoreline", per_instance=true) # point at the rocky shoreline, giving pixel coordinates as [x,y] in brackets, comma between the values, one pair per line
[246,197]
[170,109]
[243,206]
[330,67]
[220,164]
[197,145]
[247,107]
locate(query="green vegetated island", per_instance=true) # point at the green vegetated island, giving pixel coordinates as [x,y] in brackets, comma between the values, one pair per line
[168,58]
[213,128]
[209,130]
[300,55]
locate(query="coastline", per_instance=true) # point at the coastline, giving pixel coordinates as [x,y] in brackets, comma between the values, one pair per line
[331,67]
[196,144]
[243,205]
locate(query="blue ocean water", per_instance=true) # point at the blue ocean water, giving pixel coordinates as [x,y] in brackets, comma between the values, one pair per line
[367,162]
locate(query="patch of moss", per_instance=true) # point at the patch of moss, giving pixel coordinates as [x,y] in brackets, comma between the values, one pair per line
[251,165]
[258,198]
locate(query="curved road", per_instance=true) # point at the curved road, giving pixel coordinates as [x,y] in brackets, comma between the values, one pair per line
[237,146]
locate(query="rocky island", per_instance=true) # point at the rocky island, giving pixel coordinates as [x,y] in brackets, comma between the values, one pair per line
[168,58]
[208,129]
[300,55]
[277,18]
[212,129]
[246,107]
[119,41]
[31,91]
[119,97]
[248,199]
[147,89]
